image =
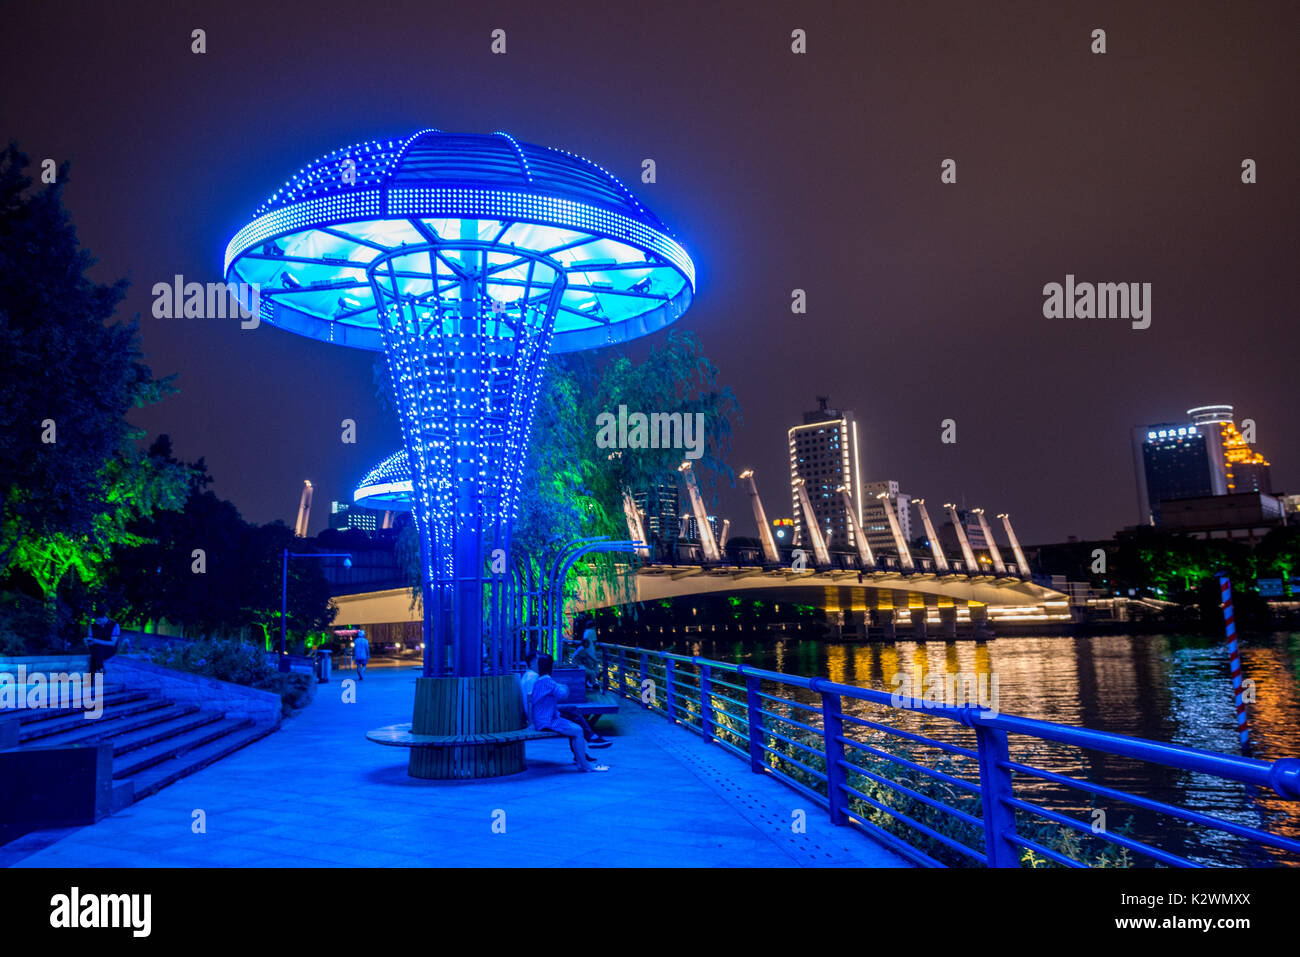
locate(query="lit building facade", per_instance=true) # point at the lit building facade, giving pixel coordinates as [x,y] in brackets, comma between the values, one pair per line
[344,517]
[970,522]
[876,524]
[693,527]
[660,509]
[1204,455]
[824,452]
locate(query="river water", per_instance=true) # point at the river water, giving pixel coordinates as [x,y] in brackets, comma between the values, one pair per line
[1167,688]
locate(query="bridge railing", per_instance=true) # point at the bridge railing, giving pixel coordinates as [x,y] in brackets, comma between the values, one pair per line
[691,553]
[963,786]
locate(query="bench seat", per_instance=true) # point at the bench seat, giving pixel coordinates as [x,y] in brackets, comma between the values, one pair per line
[597,703]
[400,736]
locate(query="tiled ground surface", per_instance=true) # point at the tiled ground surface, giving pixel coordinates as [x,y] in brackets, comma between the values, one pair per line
[316,793]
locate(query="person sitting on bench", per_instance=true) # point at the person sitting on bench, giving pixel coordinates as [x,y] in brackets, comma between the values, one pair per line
[103,641]
[546,695]
[526,683]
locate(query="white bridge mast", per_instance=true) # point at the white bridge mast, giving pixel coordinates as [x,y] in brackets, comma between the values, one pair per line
[770,554]
[708,544]
[940,559]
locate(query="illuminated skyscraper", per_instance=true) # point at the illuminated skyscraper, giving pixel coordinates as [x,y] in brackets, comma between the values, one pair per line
[824,453]
[1203,455]
[1245,470]
[659,504]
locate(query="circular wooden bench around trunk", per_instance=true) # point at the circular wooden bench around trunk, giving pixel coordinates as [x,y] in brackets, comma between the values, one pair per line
[464,728]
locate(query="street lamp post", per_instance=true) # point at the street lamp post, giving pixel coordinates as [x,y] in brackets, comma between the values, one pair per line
[284,591]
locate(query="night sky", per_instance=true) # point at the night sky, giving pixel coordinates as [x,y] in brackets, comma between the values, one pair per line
[776,171]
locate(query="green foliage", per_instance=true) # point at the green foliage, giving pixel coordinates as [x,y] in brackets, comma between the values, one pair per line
[239,663]
[240,585]
[73,481]
[572,489]
[63,361]
[1174,566]
[23,626]
[225,660]
[136,485]
[1278,555]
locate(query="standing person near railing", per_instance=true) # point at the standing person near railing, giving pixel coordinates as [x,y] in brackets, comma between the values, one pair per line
[546,696]
[585,656]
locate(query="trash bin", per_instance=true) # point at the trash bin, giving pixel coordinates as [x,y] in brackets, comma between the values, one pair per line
[323,665]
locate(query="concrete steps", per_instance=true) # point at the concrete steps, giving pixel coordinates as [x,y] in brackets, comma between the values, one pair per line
[155,741]
[112,726]
[40,721]
[136,760]
[52,730]
[234,735]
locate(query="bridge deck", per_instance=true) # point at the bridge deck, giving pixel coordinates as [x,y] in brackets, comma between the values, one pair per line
[317,793]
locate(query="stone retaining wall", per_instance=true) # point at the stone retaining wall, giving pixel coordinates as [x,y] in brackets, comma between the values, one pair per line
[181,687]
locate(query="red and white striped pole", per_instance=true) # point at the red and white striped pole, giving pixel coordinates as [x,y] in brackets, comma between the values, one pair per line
[1234,661]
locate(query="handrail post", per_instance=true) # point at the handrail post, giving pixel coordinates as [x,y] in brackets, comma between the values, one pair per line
[706,702]
[833,734]
[755,722]
[995,786]
[670,688]
[622,673]
[645,676]
[604,670]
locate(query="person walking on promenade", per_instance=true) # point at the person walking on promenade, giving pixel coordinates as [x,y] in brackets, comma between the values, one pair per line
[361,654]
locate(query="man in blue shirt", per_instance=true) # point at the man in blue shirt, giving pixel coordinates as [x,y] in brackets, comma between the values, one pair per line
[545,698]
[526,683]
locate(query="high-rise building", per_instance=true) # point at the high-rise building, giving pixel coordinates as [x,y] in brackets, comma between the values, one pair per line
[875,523]
[824,453]
[693,527]
[659,505]
[970,522]
[1203,455]
[1245,470]
[344,517]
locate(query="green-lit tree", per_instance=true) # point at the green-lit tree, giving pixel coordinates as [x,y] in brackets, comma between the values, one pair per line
[208,571]
[72,479]
[574,488]
[1279,554]
[136,485]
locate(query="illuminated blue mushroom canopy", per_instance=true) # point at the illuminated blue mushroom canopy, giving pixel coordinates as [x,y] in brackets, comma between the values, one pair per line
[466,259]
[309,246]
[387,486]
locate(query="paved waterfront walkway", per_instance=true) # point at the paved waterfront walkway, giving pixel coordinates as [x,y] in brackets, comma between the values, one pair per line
[316,793]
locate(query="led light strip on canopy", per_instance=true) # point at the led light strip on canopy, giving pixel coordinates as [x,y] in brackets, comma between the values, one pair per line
[387,486]
[466,259]
[310,244]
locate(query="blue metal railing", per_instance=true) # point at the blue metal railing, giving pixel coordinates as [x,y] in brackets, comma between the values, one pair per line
[939,784]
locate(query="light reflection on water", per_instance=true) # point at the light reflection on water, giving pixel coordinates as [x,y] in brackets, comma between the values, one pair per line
[1167,688]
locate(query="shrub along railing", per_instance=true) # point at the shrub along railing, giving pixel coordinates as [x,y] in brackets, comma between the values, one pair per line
[942,785]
